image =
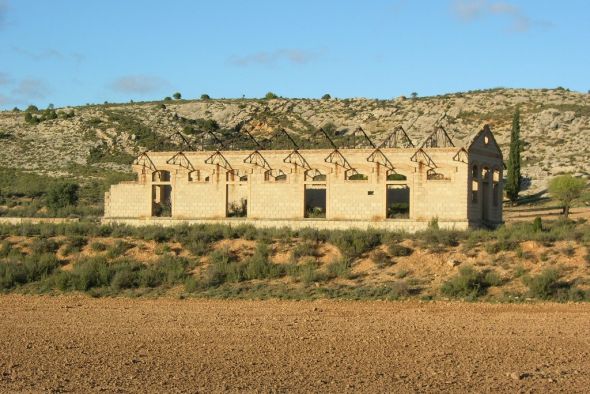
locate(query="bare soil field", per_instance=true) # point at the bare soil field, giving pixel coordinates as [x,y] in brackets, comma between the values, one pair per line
[80,344]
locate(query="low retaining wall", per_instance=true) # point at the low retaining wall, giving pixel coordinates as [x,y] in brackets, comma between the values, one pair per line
[397,225]
[8,220]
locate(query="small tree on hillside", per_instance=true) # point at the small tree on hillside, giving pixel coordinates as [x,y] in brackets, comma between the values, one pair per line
[177,96]
[63,194]
[513,177]
[270,96]
[326,97]
[414,95]
[205,96]
[567,189]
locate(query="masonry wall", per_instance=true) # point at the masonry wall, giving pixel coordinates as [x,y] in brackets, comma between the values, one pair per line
[357,200]
[446,197]
[275,200]
[128,200]
[484,156]
[198,200]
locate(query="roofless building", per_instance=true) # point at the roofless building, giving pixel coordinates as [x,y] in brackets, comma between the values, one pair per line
[395,185]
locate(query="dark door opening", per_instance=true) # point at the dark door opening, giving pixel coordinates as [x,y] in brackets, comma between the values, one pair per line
[162,200]
[398,202]
[315,201]
[236,200]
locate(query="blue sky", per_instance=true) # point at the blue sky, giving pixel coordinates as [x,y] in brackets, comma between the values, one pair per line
[72,52]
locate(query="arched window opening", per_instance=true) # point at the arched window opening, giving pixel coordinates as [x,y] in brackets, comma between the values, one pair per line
[474,191]
[497,176]
[394,176]
[474,172]
[161,176]
[433,175]
[354,175]
[485,174]
[194,176]
[315,176]
[275,176]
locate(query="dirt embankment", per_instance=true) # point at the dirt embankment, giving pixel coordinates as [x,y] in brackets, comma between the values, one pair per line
[75,343]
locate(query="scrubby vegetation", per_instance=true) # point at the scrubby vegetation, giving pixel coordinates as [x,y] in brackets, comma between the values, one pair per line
[242,261]
[26,194]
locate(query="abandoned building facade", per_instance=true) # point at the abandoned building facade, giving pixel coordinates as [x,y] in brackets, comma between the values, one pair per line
[395,185]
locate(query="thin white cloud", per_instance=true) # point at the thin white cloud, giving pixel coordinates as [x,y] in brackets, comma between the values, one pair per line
[467,10]
[293,56]
[4,79]
[49,54]
[139,84]
[3,13]
[519,21]
[4,99]
[31,88]
[41,55]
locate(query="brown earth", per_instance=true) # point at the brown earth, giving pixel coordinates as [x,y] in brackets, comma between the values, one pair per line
[76,343]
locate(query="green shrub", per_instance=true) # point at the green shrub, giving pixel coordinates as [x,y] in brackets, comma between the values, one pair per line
[89,273]
[306,248]
[439,239]
[398,250]
[75,244]
[98,247]
[519,271]
[470,283]
[340,268]
[125,275]
[118,249]
[353,243]
[259,266]
[31,269]
[223,267]
[5,248]
[43,245]
[62,194]
[546,285]
[191,285]
[537,224]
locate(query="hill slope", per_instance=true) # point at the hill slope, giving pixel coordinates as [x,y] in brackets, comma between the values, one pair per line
[555,127]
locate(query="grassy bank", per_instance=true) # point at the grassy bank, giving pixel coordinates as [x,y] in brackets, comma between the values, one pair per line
[548,261]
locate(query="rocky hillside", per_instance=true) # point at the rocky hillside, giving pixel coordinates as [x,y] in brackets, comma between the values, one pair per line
[83,140]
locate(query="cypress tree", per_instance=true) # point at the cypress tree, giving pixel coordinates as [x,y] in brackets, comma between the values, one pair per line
[513,177]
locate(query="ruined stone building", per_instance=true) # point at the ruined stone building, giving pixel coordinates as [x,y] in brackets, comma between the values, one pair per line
[395,185]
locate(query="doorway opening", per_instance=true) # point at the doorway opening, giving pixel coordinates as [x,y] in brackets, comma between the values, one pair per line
[162,200]
[398,202]
[315,201]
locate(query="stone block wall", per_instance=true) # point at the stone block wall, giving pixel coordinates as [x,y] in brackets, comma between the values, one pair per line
[128,200]
[446,195]
[198,200]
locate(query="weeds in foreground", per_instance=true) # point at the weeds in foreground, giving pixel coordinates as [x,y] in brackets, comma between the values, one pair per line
[470,283]
[34,266]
